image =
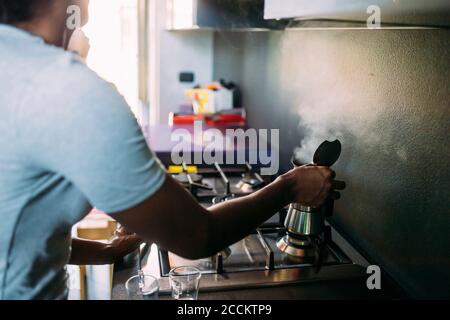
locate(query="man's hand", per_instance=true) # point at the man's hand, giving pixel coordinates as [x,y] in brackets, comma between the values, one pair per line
[122,243]
[89,252]
[312,185]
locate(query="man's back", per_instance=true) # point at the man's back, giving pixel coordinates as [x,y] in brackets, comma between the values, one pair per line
[67,140]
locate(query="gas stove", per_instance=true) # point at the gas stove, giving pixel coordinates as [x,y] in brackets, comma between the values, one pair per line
[212,184]
[257,252]
[270,256]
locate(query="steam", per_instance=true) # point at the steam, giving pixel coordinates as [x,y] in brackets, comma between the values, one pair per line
[318,127]
[338,94]
[320,122]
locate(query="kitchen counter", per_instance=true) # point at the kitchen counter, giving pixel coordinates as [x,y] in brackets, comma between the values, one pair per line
[329,289]
[326,290]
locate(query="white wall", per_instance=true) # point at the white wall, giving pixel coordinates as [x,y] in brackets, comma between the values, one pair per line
[171,53]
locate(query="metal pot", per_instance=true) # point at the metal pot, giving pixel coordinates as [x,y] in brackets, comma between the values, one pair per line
[304,220]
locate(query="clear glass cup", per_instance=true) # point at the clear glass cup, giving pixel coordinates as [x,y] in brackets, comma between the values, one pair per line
[142,288]
[185,283]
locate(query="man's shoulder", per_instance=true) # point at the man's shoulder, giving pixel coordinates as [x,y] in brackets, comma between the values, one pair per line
[70,96]
[66,81]
[67,70]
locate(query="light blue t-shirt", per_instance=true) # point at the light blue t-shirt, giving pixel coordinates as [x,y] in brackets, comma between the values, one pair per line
[68,141]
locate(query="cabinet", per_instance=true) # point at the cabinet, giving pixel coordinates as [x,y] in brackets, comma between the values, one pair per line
[402,12]
[219,14]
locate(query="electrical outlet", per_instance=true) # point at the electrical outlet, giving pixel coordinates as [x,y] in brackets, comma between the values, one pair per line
[187,77]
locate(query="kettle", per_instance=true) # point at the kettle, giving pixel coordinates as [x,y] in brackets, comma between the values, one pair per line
[309,221]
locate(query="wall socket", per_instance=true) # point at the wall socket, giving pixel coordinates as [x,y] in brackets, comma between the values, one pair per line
[186,77]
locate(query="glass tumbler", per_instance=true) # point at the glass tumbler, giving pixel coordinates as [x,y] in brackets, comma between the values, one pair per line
[142,288]
[185,283]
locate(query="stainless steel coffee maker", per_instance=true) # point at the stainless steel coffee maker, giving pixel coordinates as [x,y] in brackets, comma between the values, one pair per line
[306,224]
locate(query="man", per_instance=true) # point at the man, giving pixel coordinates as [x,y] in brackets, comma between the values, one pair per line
[68,142]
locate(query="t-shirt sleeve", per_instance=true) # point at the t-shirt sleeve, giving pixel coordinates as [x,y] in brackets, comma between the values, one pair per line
[84,130]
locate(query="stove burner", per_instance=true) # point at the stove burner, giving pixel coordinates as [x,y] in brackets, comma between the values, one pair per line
[250,181]
[183,178]
[297,246]
[248,186]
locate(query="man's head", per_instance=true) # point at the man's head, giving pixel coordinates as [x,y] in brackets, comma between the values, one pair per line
[25,11]
[16,11]
[45,18]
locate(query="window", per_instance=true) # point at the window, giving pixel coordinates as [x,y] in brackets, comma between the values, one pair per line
[113,34]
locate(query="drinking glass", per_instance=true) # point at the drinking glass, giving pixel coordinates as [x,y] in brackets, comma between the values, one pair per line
[185,282]
[143,287]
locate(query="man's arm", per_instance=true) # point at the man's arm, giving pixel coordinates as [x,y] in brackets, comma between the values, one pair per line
[174,220]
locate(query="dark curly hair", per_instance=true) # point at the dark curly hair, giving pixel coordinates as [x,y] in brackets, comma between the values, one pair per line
[15,11]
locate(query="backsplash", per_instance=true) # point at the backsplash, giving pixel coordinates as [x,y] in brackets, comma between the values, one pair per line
[384,94]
